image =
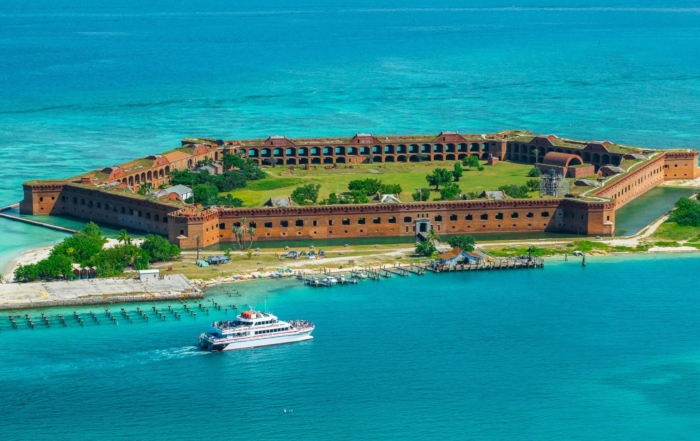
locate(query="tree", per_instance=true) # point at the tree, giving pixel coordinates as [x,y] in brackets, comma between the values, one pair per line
[70,252]
[123,237]
[438,177]
[533,184]
[367,186]
[422,194]
[515,191]
[206,161]
[159,249]
[306,194]
[26,273]
[535,152]
[112,261]
[206,194]
[54,267]
[458,171]
[357,197]
[534,172]
[425,248]
[143,189]
[449,191]
[390,189]
[229,180]
[239,232]
[251,233]
[686,213]
[85,244]
[252,172]
[464,241]
[333,199]
[231,160]
[238,235]
[471,161]
[472,195]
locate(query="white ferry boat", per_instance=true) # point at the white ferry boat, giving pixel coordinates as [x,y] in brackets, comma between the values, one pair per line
[252,329]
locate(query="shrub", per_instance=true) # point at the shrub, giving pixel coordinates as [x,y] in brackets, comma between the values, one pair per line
[426,248]
[422,194]
[515,191]
[367,186]
[686,213]
[450,191]
[391,189]
[533,184]
[159,249]
[471,161]
[306,194]
[534,172]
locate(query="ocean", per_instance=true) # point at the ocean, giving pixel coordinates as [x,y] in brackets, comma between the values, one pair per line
[603,352]
[606,351]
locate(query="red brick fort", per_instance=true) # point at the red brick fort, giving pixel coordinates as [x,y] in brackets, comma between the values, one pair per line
[110,195]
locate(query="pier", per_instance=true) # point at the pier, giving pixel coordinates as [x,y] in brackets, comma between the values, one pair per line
[495,264]
[323,279]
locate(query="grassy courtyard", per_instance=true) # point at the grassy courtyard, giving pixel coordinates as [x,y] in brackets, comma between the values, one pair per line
[282,181]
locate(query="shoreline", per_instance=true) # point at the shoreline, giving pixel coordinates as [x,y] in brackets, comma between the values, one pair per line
[34,255]
[651,253]
[27,257]
[199,286]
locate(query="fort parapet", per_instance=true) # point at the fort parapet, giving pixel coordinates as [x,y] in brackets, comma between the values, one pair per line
[110,195]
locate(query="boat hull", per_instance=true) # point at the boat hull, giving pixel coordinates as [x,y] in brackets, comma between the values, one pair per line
[250,343]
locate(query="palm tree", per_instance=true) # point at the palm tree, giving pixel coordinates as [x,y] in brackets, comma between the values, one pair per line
[239,238]
[431,236]
[124,237]
[130,256]
[535,152]
[236,233]
[251,232]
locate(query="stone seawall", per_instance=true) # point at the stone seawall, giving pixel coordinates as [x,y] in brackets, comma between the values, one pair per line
[96,291]
[103,300]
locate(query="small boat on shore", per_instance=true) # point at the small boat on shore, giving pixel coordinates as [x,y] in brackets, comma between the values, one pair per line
[253,329]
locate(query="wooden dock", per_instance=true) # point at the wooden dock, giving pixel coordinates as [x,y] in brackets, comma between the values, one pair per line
[385,272]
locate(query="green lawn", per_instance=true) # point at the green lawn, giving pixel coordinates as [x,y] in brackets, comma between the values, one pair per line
[281,181]
[673,231]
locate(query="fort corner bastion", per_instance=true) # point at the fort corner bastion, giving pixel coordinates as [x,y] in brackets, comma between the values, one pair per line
[110,195]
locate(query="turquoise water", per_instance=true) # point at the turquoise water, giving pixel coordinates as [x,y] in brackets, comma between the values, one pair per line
[609,351]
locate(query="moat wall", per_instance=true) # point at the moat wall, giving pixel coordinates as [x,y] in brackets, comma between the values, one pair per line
[350,221]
